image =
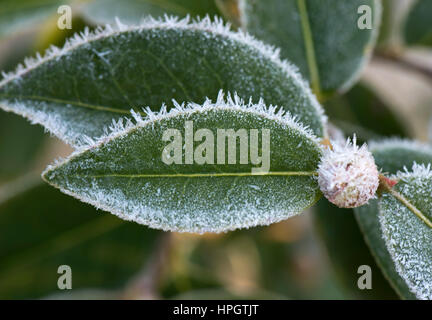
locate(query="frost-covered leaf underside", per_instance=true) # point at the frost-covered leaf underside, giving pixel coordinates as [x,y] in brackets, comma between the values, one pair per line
[124,173]
[98,77]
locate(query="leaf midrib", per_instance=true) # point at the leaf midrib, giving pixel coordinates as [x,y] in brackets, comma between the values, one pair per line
[203,175]
[71,102]
[398,196]
[309,48]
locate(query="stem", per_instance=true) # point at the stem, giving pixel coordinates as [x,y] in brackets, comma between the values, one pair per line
[310,49]
[404,63]
[146,284]
[388,187]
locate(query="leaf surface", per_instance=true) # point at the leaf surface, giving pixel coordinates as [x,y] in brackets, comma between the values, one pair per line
[321,37]
[408,236]
[95,78]
[126,174]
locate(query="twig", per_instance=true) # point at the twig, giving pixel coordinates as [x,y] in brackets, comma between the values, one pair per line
[145,285]
[404,63]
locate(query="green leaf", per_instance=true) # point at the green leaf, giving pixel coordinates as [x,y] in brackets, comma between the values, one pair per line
[362,112]
[406,224]
[133,11]
[347,251]
[41,229]
[18,15]
[126,174]
[391,156]
[95,78]
[321,37]
[418,27]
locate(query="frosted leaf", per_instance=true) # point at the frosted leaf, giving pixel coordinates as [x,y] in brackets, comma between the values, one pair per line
[78,89]
[321,37]
[124,173]
[391,156]
[408,238]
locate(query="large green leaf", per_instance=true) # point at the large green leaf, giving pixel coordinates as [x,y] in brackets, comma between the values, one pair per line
[391,156]
[18,15]
[41,229]
[79,89]
[368,220]
[133,11]
[321,37]
[418,27]
[126,174]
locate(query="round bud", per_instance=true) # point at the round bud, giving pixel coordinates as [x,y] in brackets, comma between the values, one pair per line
[348,175]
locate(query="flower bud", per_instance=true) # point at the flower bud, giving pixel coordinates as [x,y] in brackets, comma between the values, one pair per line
[348,175]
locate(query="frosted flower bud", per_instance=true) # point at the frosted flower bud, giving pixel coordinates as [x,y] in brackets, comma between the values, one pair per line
[348,175]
